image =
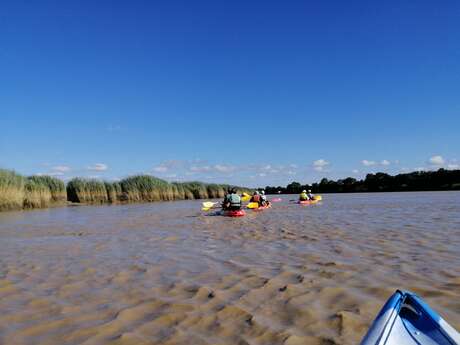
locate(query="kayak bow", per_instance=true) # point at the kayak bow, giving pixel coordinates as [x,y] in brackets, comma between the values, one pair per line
[406,319]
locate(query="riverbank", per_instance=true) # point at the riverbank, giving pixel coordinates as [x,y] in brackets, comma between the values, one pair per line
[20,192]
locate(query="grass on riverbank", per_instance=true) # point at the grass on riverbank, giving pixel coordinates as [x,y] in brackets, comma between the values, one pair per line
[11,190]
[140,188]
[17,192]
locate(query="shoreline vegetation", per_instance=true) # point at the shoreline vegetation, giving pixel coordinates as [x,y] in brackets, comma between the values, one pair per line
[19,192]
[417,181]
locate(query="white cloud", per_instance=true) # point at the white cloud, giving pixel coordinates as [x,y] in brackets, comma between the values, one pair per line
[385,162]
[367,163]
[224,168]
[61,168]
[196,168]
[453,166]
[437,160]
[420,169]
[320,164]
[98,167]
[160,169]
[355,171]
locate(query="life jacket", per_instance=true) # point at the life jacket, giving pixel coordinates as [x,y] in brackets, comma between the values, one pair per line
[303,196]
[255,198]
[234,200]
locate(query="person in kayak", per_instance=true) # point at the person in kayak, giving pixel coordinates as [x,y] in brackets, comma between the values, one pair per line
[263,199]
[256,198]
[304,196]
[232,201]
[310,196]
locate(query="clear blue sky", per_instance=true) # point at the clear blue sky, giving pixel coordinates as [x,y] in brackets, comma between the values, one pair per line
[307,88]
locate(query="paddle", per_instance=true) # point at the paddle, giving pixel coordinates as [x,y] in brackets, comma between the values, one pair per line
[209,204]
[209,208]
[245,197]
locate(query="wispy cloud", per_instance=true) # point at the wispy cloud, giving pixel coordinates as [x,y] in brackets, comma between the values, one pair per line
[224,168]
[436,160]
[98,167]
[161,169]
[61,168]
[320,164]
[385,162]
[368,163]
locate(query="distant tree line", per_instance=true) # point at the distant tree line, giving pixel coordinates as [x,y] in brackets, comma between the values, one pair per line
[441,179]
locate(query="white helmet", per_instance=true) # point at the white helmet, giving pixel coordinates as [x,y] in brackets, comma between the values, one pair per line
[262,192]
[304,191]
[309,191]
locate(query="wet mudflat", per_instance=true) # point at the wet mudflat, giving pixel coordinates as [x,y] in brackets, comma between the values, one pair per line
[164,273]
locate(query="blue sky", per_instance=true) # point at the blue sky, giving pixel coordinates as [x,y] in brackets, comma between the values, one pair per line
[247,92]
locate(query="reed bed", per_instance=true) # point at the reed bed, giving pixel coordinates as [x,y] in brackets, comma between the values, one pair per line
[87,191]
[36,194]
[11,190]
[55,186]
[141,188]
[19,192]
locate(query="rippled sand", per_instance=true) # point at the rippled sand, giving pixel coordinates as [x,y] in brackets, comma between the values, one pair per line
[164,274]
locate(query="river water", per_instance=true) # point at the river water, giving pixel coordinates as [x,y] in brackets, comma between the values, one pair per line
[166,273]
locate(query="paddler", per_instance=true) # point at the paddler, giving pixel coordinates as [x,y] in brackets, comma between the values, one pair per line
[256,198]
[304,196]
[310,196]
[263,198]
[232,201]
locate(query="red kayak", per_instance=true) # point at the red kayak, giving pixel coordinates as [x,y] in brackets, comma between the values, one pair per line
[235,213]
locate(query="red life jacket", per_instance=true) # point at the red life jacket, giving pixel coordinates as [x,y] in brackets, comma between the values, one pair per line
[255,198]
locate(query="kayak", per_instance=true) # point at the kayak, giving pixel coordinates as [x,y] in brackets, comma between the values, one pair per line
[235,213]
[406,319]
[261,208]
[310,202]
[307,202]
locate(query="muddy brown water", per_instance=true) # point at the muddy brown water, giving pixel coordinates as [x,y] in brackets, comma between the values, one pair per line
[164,273]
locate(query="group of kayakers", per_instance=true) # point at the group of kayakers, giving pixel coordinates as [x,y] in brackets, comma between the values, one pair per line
[233,202]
